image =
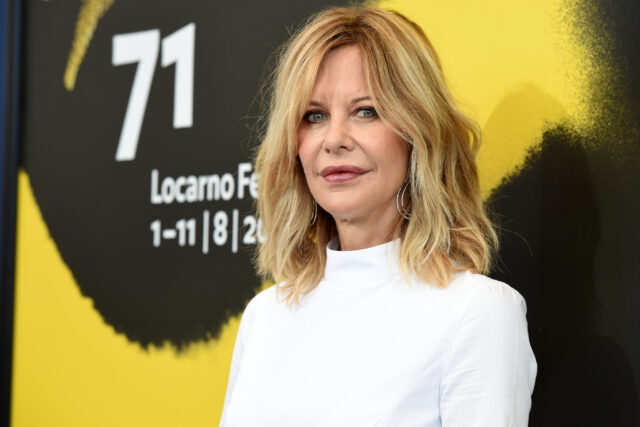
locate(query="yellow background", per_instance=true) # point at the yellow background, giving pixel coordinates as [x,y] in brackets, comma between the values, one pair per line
[515,68]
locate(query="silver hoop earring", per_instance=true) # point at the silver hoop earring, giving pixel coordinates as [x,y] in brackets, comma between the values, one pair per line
[400,201]
[314,214]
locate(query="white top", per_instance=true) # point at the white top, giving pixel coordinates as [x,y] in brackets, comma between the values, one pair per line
[366,348]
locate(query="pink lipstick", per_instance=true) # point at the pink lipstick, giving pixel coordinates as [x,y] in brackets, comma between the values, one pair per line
[344,173]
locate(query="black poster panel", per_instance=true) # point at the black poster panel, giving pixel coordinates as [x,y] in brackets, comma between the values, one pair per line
[10,102]
[141,165]
[570,237]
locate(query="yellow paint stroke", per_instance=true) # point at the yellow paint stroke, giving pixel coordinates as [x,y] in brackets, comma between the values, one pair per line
[90,14]
[514,68]
[72,369]
[515,125]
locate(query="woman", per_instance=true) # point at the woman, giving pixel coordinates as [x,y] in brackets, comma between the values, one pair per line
[375,229]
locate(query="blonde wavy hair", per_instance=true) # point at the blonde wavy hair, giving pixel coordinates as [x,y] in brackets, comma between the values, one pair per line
[448,229]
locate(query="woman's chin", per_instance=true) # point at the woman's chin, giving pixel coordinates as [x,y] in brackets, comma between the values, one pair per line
[349,215]
[342,215]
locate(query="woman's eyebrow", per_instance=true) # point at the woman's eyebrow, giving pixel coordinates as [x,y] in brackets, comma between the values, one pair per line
[313,103]
[360,99]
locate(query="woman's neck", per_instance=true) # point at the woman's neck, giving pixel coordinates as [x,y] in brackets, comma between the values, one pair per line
[354,236]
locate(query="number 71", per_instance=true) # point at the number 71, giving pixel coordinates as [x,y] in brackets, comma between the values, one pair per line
[142,47]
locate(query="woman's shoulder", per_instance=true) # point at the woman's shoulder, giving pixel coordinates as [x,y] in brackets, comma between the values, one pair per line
[486,294]
[270,297]
[264,297]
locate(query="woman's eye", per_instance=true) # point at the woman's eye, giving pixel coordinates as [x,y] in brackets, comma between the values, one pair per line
[366,112]
[314,116]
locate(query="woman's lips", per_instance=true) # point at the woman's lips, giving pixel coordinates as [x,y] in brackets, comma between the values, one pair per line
[344,173]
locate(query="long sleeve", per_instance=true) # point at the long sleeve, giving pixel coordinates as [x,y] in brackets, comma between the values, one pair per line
[238,351]
[490,370]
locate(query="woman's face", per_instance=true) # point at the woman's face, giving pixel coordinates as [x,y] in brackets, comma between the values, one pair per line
[353,162]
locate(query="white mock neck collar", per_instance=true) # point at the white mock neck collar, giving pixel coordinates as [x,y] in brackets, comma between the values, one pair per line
[364,266]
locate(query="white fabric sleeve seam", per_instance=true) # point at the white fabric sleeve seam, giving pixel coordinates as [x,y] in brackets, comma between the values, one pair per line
[452,343]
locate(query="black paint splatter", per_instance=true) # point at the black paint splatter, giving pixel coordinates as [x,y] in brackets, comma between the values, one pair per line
[570,237]
[97,210]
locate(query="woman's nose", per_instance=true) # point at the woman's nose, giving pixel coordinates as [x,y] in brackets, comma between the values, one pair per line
[338,136]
